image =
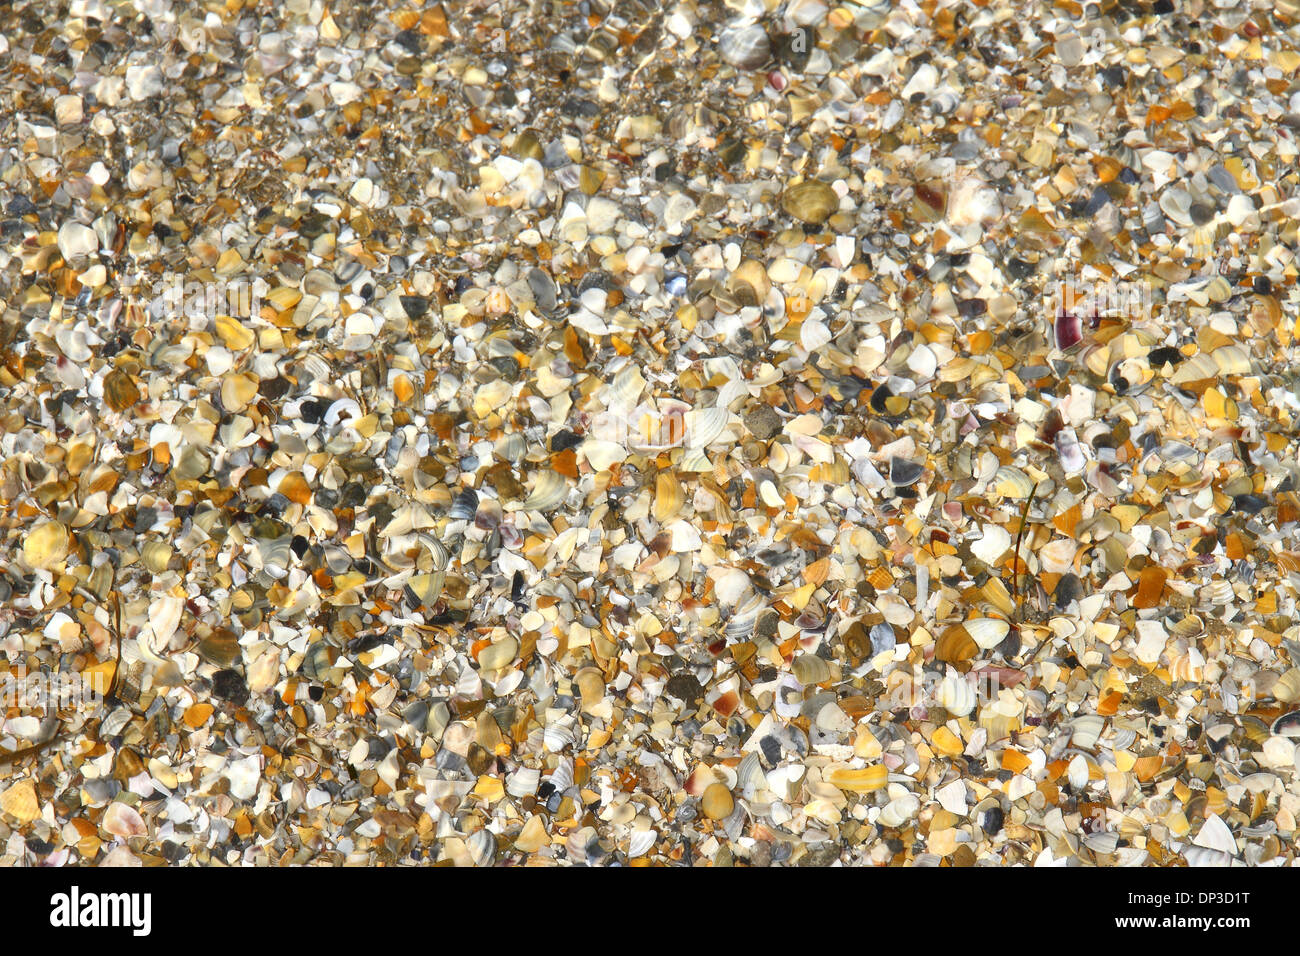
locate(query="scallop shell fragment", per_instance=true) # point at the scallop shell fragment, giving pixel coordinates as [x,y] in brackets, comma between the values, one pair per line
[745,45]
[1287,688]
[987,632]
[549,489]
[46,544]
[812,202]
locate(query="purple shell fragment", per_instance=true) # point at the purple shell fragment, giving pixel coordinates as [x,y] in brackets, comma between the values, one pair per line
[1068,330]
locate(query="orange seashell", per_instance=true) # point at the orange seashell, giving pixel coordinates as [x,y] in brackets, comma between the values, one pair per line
[955,645]
[1109,704]
[294,487]
[859,781]
[880,578]
[197,715]
[816,572]
[565,463]
[980,342]
[946,742]
[1067,520]
[1144,768]
[1151,586]
[1014,761]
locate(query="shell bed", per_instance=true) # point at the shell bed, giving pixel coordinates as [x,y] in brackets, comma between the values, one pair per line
[756,433]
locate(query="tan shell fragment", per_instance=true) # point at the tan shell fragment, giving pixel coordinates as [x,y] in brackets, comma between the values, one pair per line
[498,655]
[669,496]
[1287,688]
[46,545]
[120,391]
[812,202]
[591,686]
[717,802]
[124,821]
[19,801]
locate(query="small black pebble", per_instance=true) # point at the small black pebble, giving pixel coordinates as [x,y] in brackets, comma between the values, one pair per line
[565,439]
[1251,504]
[415,305]
[1165,355]
[229,685]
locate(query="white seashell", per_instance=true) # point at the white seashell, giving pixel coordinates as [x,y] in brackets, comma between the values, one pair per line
[972,202]
[895,609]
[244,775]
[814,334]
[523,782]
[1215,835]
[482,847]
[740,626]
[695,461]
[805,13]
[73,344]
[1176,203]
[164,618]
[774,306]
[1279,751]
[1077,772]
[1199,856]
[1070,451]
[124,821]
[1287,687]
[550,488]
[1217,592]
[582,845]
[626,389]
[923,362]
[953,798]
[956,695]
[729,585]
[703,425]
[640,842]
[899,810]
[745,45]
[562,777]
[685,536]
[1086,730]
[555,738]
[652,428]
[789,697]
[1057,556]
[508,683]
[992,545]
[750,776]
[75,240]
[340,408]
[602,455]
[1103,841]
[987,632]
